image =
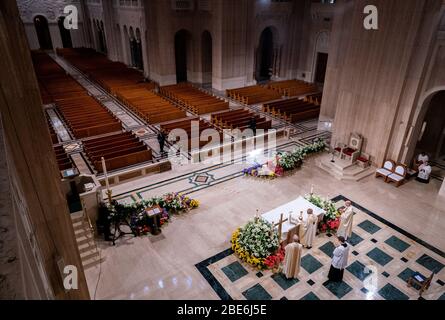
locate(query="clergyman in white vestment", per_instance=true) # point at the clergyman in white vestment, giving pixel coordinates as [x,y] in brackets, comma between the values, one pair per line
[339,261]
[292,259]
[424,173]
[345,227]
[308,229]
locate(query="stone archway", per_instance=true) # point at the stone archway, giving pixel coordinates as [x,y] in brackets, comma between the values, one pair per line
[65,34]
[264,57]
[182,54]
[43,34]
[206,57]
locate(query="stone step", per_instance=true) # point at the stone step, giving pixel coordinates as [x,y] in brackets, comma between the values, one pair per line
[79,225]
[84,247]
[350,174]
[77,217]
[84,239]
[91,253]
[82,231]
[92,262]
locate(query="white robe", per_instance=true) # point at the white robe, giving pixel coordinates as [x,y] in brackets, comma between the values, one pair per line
[345,227]
[292,260]
[340,257]
[422,158]
[308,230]
[424,172]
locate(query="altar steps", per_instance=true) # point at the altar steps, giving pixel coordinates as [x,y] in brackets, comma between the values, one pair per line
[89,253]
[343,170]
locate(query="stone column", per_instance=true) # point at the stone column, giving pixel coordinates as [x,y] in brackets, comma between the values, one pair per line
[89,41]
[39,207]
[442,189]
[110,30]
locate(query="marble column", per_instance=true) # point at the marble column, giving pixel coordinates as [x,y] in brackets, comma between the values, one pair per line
[39,207]
[110,30]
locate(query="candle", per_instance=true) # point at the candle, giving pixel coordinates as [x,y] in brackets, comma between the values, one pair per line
[312,189]
[104,168]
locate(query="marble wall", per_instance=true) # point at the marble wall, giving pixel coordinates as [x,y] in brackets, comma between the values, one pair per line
[379,100]
[301,29]
[44,231]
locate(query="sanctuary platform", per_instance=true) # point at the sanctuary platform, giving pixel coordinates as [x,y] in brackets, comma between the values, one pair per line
[343,169]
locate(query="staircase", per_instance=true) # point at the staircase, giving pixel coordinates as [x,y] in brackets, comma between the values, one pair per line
[343,170]
[89,253]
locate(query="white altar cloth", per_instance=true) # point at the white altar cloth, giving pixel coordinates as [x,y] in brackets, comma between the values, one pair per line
[295,206]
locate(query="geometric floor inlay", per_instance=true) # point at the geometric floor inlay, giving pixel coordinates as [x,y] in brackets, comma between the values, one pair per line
[381,260]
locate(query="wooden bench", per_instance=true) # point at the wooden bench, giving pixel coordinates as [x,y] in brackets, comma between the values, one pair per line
[292,88]
[240,119]
[194,99]
[119,150]
[292,110]
[253,94]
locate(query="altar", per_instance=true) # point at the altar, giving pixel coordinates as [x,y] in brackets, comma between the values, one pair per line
[295,208]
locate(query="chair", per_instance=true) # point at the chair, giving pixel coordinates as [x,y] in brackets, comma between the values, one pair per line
[387,169]
[364,160]
[352,151]
[398,177]
[337,149]
[419,280]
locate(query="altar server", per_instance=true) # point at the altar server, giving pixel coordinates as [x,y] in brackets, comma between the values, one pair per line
[308,229]
[339,261]
[345,227]
[424,173]
[292,259]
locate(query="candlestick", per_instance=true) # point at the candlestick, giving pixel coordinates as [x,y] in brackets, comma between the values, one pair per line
[104,168]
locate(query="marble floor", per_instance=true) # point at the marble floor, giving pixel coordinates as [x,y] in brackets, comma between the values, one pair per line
[170,265]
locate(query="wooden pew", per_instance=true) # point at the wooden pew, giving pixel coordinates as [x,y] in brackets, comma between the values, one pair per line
[292,88]
[119,150]
[292,110]
[253,94]
[194,99]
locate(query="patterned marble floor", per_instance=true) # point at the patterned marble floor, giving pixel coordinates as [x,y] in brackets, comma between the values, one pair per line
[382,258]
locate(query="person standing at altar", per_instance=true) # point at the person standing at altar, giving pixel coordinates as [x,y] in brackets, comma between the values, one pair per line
[339,261]
[292,258]
[308,229]
[345,226]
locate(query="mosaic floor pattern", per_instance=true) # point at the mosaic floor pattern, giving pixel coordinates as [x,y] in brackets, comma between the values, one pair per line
[381,261]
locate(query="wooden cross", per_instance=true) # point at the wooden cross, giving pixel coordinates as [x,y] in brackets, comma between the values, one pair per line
[280,226]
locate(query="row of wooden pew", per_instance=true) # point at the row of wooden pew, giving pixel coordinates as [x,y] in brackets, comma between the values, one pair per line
[148,105]
[119,150]
[314,98]
[44,68]
[239,119]
[63,160]
[52,133]
[194,99]
[126,84]
[83,114]
[292,88]
[86,117]
[253,94]
[292,110]
[187,125]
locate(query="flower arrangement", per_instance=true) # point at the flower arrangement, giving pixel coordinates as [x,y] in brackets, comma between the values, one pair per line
[134,214]
[284,161]
[331,220]
[257,243]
